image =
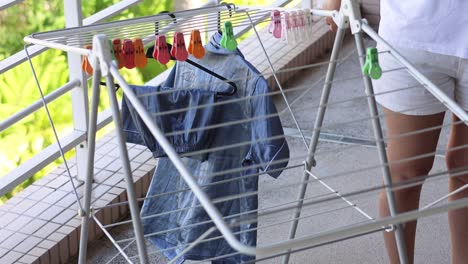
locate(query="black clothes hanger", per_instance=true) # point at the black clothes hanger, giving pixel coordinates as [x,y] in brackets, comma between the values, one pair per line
[229,6]
[117,86]
[149,54]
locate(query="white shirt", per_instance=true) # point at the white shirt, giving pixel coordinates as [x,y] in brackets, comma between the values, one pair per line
[439,26]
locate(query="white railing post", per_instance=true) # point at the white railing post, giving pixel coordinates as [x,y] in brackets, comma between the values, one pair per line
[74,18]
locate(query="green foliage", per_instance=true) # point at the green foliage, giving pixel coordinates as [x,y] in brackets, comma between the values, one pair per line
[32,134]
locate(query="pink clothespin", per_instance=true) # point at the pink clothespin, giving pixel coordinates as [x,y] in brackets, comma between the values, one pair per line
[285,26]
[294,21]
[161,51]
[178,50]
[276,23]
[292,36]
[272,23]
[300,30]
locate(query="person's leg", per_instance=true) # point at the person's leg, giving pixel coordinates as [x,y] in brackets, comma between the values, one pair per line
[458,219]
[402,147]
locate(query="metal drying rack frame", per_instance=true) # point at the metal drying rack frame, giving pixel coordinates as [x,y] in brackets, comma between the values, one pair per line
[100,58]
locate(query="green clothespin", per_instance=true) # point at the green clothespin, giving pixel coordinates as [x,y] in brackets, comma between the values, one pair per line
[228,41]
[371,66]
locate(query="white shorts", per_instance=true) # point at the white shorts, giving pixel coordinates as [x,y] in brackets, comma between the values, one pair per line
[400,92]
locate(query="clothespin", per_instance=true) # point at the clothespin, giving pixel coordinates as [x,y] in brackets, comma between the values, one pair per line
[308,23]
[117,47]
[294,26]
[285,26]
[228,41]
[85,64]
[276,23]
[178,50]
[300,26]
[272,23]
[196,47]
[161,51]
[371,66]
[292,38]
[129,54]
[140,56]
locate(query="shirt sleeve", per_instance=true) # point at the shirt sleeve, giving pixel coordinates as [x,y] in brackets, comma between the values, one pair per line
[269,148]
[132,135]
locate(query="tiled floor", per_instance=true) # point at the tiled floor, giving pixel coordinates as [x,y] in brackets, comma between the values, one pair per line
[41,224]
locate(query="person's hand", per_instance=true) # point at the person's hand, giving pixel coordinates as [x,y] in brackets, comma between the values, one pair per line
[331,5]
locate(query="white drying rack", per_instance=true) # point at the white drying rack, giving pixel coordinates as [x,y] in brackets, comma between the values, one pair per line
[72,40]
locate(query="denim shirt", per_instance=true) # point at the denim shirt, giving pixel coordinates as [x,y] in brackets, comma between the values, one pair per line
[175,112]
[228,171]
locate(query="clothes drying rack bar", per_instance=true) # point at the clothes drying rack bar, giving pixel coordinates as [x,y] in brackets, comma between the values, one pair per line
[72,40]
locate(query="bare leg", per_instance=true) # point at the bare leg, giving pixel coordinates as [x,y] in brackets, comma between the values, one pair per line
[458,219]
[400,148]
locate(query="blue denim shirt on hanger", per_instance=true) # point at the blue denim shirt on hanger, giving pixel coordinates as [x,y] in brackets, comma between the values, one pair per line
[223,173]
[167,109]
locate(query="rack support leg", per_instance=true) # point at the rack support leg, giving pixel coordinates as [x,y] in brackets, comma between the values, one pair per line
[381,149]
[134,209]
[86,212]
[310,162]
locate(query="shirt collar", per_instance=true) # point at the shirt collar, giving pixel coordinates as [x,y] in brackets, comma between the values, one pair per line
[214,46]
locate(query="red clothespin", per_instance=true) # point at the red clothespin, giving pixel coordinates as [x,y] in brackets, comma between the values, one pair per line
[85,64]
[129,54]
[117,46]
[196,47]
[161,51]
[276,23]
[178,50]
[140,56]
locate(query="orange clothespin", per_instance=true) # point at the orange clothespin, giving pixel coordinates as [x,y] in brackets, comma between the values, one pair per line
[129,54]
[85,64]
[196,47]
[140,56]
[178,50]
[161,51]
[117,46]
